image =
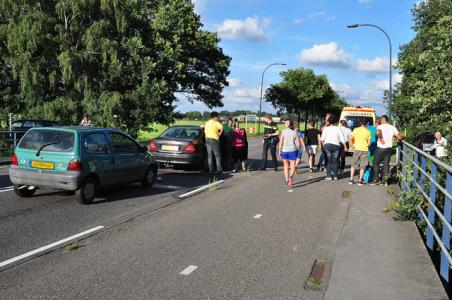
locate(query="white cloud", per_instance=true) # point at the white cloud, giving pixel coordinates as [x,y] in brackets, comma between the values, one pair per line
[321,14]
[247,93]
[328,55]
[376,65]
[251,29]
[297,21]
[316,14]
[383,85]
[344,90]
[234,82]
[364,1]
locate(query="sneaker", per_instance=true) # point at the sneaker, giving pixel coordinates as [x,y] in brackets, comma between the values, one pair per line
[351,181]
[335,178]
[328,178]
[322,169]
[361,183]
[289,183]
[310,170]
[376,182]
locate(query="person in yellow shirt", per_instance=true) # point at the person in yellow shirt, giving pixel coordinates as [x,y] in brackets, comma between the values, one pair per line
[213,130]
[360,140]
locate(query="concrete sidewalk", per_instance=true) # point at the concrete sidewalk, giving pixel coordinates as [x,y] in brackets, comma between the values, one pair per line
[379,258]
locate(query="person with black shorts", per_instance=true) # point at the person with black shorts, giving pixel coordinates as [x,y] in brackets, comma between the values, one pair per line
[312,140]
[271,140]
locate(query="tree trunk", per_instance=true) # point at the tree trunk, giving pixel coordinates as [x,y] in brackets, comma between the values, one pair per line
[306,119]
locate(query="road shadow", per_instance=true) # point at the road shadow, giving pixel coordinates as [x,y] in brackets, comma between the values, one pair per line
[308,182]
[129,191]
[4,181]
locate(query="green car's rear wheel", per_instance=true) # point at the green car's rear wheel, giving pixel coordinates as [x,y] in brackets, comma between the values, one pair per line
[24,191]
[88,190]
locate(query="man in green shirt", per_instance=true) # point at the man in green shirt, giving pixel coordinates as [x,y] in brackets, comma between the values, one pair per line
[226,145]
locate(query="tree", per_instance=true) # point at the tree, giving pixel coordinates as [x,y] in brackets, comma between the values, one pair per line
[423,100]
[108,58]
[193,115]
[301,90]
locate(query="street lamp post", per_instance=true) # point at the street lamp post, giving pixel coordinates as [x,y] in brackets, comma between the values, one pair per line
[390,51]
[260,102]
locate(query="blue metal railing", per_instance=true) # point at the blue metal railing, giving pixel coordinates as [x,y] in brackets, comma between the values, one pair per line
[428,174]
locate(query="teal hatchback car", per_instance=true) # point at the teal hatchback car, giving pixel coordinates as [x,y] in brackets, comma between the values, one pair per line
[79,159]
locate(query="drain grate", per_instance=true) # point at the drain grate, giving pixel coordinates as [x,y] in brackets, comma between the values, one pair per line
[346,194]
[315,279]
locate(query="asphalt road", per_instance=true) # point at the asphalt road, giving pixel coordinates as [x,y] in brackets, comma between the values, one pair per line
[250,238]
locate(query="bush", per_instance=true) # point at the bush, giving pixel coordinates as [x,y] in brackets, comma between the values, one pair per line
[406,204]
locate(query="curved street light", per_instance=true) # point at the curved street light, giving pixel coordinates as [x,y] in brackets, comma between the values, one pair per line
[260,102]
[390,51]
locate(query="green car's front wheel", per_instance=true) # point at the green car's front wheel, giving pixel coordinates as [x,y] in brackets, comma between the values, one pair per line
[24,191]
[88,190]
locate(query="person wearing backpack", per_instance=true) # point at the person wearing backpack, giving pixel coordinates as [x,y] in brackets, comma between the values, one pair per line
[360,140]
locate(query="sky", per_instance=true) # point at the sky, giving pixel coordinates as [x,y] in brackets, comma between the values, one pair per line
[310,34]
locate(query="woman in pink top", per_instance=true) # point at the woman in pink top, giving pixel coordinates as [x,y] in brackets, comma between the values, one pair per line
[239,146]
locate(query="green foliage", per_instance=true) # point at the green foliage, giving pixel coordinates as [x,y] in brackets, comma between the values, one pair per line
[122,62]
[423,100]
[302,90]
[405,205]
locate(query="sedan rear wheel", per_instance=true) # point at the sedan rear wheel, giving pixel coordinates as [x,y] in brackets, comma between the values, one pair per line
[24,191]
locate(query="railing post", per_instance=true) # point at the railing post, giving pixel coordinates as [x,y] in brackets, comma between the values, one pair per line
[444,269]
[404,183]
[15,139]
[415,171]
[431,210]
[423,167]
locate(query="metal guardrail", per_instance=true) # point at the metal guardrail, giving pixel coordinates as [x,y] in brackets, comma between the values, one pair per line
[426,173]
[9,139]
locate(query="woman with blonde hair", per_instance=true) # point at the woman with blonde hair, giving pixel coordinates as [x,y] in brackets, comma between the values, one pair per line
[288,150]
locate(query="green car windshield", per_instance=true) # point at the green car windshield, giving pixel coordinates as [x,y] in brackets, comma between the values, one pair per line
[57,141]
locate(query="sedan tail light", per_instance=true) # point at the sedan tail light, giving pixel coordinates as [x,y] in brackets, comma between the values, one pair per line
[152,146]
[74,165]
[190,148]
[14,160]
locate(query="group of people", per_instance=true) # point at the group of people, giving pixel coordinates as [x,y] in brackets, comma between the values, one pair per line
[227,145]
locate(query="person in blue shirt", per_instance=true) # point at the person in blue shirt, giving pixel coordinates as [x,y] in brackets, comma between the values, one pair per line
[302,145]
[373,141]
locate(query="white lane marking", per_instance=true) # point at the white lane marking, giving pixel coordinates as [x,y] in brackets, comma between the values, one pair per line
[6,189]
[290,191]
[258,216]
[202,188]
[188,270]
[25,255]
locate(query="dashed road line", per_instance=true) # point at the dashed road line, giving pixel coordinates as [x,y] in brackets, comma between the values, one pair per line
[190,269]
[6,189]
[258,216]
[42,249]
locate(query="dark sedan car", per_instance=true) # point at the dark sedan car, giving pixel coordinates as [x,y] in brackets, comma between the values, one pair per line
[181,147]
[25,125]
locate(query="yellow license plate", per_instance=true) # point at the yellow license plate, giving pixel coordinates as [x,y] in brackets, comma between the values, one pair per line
[170,148]
[42,165]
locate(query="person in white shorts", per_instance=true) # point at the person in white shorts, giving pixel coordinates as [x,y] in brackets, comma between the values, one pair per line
[312,140]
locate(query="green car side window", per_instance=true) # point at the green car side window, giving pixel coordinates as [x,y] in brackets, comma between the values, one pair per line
[123,144]
[96,143]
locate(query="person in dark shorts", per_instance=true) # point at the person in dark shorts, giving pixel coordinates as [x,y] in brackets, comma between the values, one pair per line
[226,147]
[312,140]
[239,145]
[271,139]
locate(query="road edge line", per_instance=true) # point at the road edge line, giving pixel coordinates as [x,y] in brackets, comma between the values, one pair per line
[201,189]
[49,246]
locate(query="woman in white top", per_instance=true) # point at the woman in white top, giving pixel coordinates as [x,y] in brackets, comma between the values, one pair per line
[440,145]
[332,139]
[288,150]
